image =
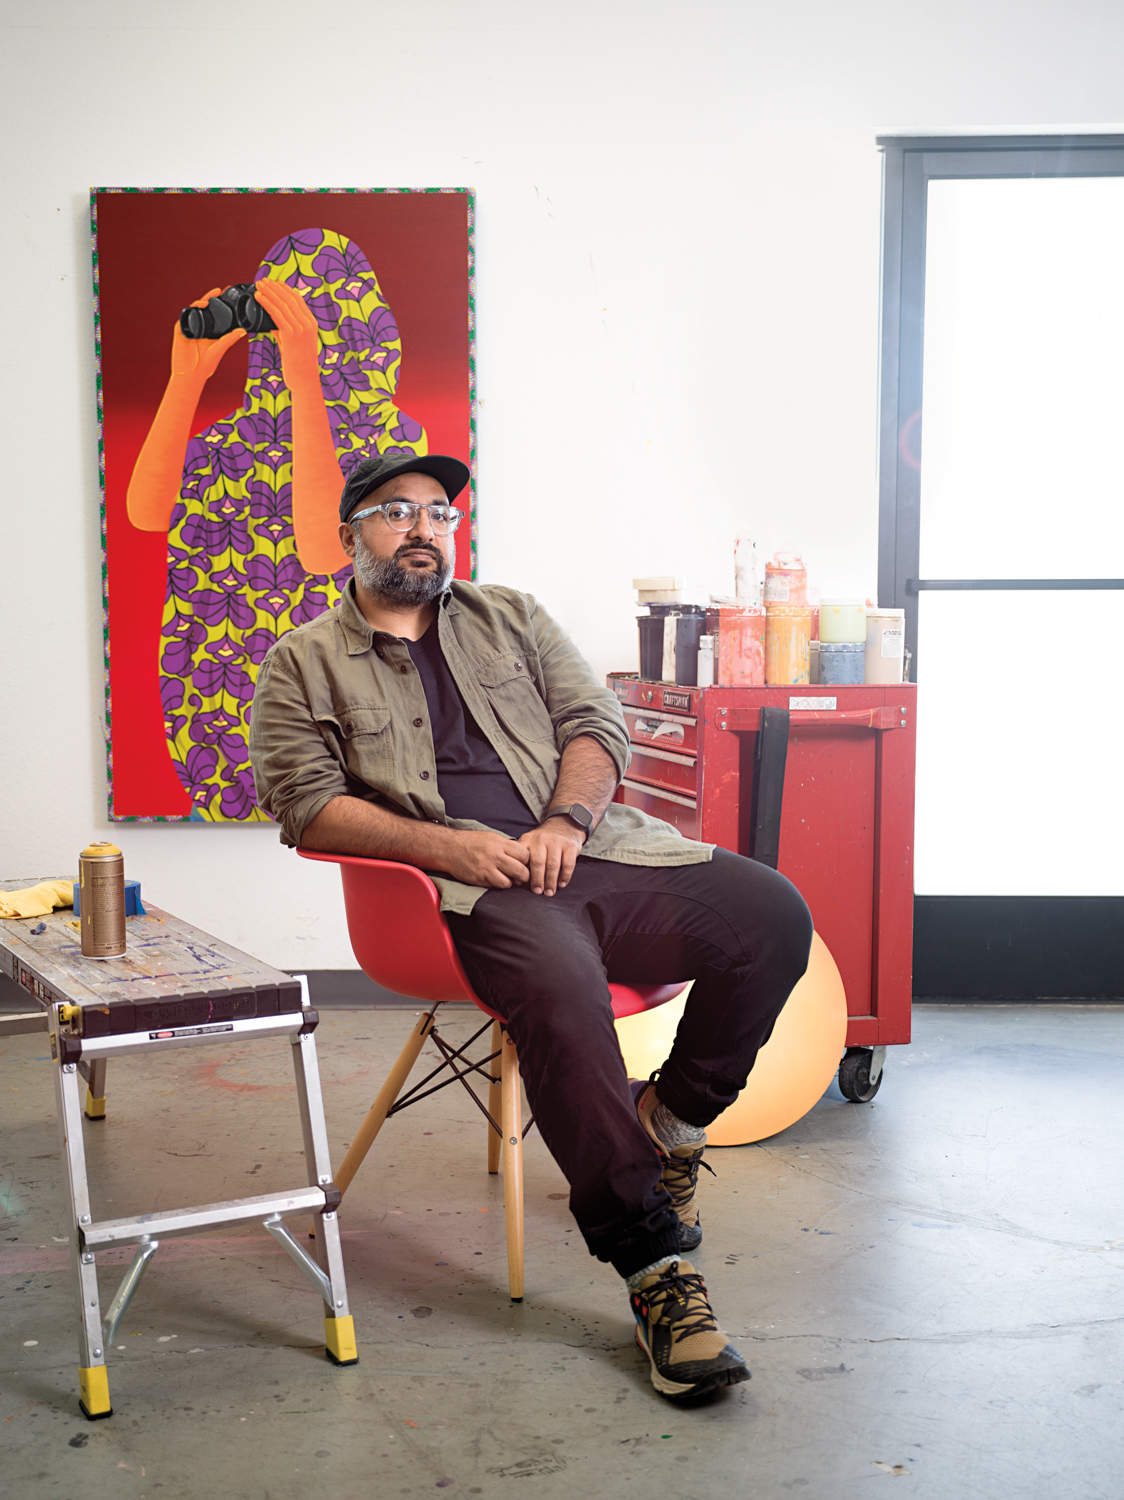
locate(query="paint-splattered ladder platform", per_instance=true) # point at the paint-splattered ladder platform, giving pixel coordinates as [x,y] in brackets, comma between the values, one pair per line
[174,986]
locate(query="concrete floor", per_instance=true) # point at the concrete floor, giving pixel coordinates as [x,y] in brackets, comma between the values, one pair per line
[929,1287]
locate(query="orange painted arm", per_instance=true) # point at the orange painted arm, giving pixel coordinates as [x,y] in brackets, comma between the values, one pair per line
[158,473]
[316,479]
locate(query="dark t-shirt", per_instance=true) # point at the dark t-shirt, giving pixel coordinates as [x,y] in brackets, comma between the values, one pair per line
[472,780]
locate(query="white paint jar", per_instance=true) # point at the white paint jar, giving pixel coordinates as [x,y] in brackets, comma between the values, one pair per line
[885,646]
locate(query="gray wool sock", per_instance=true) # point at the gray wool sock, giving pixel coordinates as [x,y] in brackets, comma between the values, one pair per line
[633,1281]
[673,1131]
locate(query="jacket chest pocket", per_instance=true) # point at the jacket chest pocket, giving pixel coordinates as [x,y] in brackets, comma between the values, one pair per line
[364,741]
[515,700]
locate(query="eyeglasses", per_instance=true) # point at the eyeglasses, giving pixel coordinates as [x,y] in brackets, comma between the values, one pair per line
[402,515]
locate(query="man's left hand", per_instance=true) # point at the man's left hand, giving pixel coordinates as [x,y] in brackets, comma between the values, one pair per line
[554,847]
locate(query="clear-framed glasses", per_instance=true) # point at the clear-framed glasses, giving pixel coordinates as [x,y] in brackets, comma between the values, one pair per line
[402,515]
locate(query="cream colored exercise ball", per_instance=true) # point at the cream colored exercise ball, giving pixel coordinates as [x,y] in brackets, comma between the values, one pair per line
[792,1069]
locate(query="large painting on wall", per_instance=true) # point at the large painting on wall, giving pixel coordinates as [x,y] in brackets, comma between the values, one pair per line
[252,347]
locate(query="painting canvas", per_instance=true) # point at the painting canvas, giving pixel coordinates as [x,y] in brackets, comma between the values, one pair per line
[225,433]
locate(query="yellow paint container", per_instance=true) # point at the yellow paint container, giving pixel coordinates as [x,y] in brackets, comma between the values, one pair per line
[788,635]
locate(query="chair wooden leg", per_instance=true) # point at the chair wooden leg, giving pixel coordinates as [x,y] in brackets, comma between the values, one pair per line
[495,1141]
[378,1111]
[511,1119]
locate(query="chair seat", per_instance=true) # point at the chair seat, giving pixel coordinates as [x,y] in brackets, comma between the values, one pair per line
[401,941]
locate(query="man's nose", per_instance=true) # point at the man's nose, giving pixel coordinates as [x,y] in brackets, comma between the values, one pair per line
[422,528]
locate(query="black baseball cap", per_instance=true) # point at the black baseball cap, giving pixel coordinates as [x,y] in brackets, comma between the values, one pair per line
[450,473]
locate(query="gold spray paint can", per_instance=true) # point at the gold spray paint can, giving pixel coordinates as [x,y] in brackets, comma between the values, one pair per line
[101,895]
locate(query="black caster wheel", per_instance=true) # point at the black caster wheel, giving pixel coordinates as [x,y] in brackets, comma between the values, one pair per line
[854,1075]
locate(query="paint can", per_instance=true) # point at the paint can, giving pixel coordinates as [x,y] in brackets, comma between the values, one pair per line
[670,635]
[885,646]
[741,646]
[788,635]
[705,671]
[843,620]
[842,663]
[101,881]
[688,630]
[786,580]
[651,646]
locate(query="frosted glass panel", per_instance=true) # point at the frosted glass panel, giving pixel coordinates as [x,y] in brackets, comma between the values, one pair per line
[1022,471]
[1019,732]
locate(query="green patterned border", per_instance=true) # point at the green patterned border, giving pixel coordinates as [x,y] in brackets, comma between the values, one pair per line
[471,207]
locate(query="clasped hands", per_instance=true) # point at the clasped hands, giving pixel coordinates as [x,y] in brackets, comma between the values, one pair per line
[543,859]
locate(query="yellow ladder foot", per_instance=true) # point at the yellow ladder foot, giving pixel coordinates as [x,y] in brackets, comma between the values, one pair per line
[339,1339]
[93,1393]
[95,1108]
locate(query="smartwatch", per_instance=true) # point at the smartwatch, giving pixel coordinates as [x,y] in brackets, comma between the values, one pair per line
[579,816]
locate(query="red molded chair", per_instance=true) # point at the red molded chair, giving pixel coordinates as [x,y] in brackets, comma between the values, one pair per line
[401,942]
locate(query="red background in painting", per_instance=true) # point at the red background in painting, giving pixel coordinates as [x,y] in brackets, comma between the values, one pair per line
[156,253]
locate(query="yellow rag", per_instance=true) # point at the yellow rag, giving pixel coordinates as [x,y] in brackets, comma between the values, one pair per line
[37,900]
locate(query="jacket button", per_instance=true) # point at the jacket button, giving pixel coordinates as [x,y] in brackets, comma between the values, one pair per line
[417,723]
[425,775]
[519,666]
[403,669]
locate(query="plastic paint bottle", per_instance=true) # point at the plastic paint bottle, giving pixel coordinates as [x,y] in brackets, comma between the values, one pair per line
[786,579]
[746,587]
[885,646]
[705,672]
[670,638]
[788,634]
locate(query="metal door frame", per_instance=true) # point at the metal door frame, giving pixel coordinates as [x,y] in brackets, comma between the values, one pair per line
[1057,946]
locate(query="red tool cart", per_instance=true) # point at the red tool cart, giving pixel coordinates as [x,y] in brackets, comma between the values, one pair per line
[714,761]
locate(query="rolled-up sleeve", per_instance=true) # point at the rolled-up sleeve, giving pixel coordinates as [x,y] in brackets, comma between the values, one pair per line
[295,772]
[576,702]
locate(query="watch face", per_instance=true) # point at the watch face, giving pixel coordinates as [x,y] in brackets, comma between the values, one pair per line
[581,816]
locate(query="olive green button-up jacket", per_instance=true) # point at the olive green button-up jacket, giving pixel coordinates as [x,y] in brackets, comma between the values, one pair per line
[339,711]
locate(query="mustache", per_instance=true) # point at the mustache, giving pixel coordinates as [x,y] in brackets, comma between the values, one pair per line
[421,547]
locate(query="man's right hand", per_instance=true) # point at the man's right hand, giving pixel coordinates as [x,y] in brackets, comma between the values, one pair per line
[486,859]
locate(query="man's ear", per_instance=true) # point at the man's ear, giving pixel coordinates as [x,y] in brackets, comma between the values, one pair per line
[347,538]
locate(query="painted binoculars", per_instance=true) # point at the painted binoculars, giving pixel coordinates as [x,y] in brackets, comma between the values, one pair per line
[237,307]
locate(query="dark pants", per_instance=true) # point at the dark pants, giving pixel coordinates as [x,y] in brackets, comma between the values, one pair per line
[738,929]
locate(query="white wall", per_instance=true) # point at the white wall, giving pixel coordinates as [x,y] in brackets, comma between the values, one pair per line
[677,303]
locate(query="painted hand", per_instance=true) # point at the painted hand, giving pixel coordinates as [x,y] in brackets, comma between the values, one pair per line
[298,333]
[198,359]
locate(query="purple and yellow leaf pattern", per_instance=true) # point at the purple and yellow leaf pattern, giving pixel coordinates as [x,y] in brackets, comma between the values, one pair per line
[235,582]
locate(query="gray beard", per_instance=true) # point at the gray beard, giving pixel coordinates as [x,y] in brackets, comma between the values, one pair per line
[386,578]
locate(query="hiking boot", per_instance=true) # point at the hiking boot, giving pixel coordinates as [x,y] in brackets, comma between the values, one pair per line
[689,1353]
[680,1174]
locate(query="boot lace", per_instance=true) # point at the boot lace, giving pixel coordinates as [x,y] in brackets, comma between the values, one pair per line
[689,1292]
[681,1175]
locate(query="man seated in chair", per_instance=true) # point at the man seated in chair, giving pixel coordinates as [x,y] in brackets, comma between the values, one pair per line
[455,727]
